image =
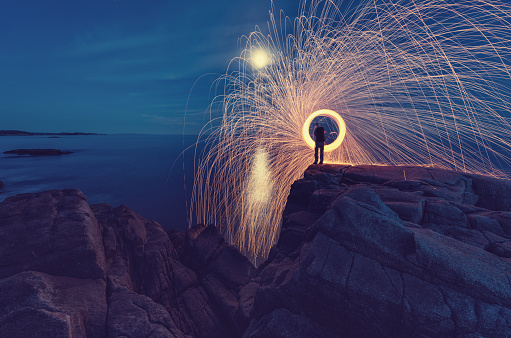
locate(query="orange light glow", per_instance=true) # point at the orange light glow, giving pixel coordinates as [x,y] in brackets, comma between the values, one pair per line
[413,87]
[340,123]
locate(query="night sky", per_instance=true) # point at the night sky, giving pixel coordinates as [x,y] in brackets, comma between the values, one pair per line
[124,66]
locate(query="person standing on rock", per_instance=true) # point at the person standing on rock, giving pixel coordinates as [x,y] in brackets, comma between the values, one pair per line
[319,137]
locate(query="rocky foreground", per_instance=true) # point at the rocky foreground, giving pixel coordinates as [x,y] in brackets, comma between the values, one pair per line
[364,251]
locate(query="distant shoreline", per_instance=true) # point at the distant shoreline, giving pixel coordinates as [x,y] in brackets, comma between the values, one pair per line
[26,133]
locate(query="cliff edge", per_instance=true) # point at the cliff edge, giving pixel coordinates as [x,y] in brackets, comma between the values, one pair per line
[364,251]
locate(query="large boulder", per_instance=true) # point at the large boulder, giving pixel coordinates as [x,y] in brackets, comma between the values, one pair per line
[494,194]
[53,232]
[396,251]
[179,292]
[36,304]
[134,315]
[71,269]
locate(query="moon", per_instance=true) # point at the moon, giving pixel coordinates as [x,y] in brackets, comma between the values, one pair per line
[260,59]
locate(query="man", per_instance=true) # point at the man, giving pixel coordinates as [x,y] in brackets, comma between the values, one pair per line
[319,137]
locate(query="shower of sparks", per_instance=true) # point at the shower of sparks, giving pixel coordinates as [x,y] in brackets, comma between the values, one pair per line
[424,82]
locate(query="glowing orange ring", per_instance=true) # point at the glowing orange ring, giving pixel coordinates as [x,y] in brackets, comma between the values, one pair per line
[340,123]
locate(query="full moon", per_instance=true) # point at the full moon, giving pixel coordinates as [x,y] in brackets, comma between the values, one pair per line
[329,113]
[260,59]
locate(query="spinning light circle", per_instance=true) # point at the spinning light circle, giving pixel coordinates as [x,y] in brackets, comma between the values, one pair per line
[340,124]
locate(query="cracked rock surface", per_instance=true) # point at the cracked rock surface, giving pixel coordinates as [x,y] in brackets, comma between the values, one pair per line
[364,251]
[68,269]
[390,251]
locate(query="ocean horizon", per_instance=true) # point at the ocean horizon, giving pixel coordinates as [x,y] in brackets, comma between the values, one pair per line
[145,172]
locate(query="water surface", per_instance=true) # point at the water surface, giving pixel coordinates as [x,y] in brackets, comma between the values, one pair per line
[134,170]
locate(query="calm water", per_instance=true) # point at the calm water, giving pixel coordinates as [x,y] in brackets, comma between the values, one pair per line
[134,170]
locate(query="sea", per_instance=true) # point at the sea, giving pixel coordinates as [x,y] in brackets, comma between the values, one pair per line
[148,173]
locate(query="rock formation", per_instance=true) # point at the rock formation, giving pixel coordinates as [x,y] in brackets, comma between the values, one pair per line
[70,269]
[364,251]
[389,251]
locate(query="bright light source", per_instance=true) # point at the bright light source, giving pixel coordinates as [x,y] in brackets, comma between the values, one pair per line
[340,123]
[434,92]
[260,59]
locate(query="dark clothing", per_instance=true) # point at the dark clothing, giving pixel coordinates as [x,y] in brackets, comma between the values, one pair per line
[321,147]
[319,133]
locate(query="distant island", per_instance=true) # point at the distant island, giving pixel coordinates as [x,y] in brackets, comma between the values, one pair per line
[38,152]
[26,133]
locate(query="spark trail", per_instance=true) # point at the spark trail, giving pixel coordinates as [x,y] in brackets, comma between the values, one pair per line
[416,82]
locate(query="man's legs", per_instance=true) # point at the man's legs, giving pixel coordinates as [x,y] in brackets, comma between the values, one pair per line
[316,154]
[322,148]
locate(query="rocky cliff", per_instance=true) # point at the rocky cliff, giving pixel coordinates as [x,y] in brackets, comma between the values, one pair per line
[364,251]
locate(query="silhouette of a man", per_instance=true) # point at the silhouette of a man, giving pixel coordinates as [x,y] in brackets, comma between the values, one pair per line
[319,137]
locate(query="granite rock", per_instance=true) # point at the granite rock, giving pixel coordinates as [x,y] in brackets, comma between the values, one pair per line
[69,269]
[397,251]
[363,251]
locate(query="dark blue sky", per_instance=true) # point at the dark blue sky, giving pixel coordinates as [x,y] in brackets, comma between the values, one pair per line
[117,66]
